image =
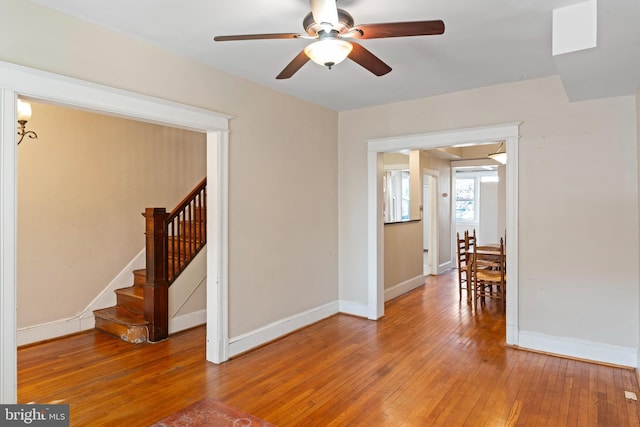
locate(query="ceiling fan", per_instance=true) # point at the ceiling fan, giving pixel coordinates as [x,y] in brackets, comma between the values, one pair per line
[335,35]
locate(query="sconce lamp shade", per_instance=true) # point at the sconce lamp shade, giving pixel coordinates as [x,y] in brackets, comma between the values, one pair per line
[328,52]
[499,156]
[24,111]
[24,114]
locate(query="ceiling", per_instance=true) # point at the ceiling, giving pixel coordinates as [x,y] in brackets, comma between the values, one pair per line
[485,43]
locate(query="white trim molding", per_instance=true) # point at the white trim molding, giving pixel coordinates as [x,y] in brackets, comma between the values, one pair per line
[79,323]
[580,349]
[76,93]
[8,243]
[353,309]
[217,255]
[85,319]
[445,266]
[404,287]
[187,321]
[508,132]
[278,329]
[18,80]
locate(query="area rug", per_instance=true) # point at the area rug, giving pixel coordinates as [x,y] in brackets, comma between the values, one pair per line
[208,412]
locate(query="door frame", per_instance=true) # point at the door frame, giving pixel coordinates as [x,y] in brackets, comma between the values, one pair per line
[433,216]
[48,87]
[508,132]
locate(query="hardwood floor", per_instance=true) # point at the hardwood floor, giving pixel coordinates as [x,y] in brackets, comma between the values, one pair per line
[431,361]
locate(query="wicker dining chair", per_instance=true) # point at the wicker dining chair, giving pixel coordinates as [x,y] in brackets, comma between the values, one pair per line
[489,275]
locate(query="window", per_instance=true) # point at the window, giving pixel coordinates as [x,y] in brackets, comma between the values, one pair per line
[397,196]
[467,192]
[465,199]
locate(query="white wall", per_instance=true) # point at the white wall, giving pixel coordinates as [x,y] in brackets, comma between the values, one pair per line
[576,206]
[489,213]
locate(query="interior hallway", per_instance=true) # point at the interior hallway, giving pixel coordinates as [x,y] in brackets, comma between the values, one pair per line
[430,361]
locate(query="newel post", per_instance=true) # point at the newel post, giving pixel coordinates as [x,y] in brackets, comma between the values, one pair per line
[156,288]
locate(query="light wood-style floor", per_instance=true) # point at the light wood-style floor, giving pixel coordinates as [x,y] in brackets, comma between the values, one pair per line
[431,361]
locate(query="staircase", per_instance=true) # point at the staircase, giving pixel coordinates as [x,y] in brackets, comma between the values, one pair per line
[173,240]
[126,319]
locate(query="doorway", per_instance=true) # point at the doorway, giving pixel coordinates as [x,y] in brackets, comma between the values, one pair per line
[84,95]
[508,132]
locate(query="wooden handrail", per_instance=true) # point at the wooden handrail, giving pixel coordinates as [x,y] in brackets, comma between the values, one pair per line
[200,187]
[186,230]
[172,242]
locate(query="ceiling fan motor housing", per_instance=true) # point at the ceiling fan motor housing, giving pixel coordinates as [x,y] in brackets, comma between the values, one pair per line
[345,23]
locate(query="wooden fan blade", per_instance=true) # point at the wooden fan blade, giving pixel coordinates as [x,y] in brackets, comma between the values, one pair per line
[398,29]
[293,66]
[324,11]
[257,37]
[368,60]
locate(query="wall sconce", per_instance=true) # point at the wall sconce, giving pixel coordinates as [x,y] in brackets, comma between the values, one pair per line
[24,114]
[499,156]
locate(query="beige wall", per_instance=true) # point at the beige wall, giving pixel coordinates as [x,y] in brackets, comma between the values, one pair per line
[395,161]
[82,186]
[402,252]
[578,207]
[283,253]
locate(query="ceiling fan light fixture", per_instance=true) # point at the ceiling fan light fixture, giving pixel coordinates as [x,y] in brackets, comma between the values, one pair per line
[328,52]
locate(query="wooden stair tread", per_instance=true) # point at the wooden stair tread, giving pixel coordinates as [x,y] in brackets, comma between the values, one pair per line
[136,292]
[123,317]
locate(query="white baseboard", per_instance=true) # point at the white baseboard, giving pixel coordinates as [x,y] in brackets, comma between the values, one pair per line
[403,288]
[83,320]
[63,327]
[446,266]
[187,321]
[277,329]
[106,298]
[46,331]
[512,334]
[353,309]
[598,352]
